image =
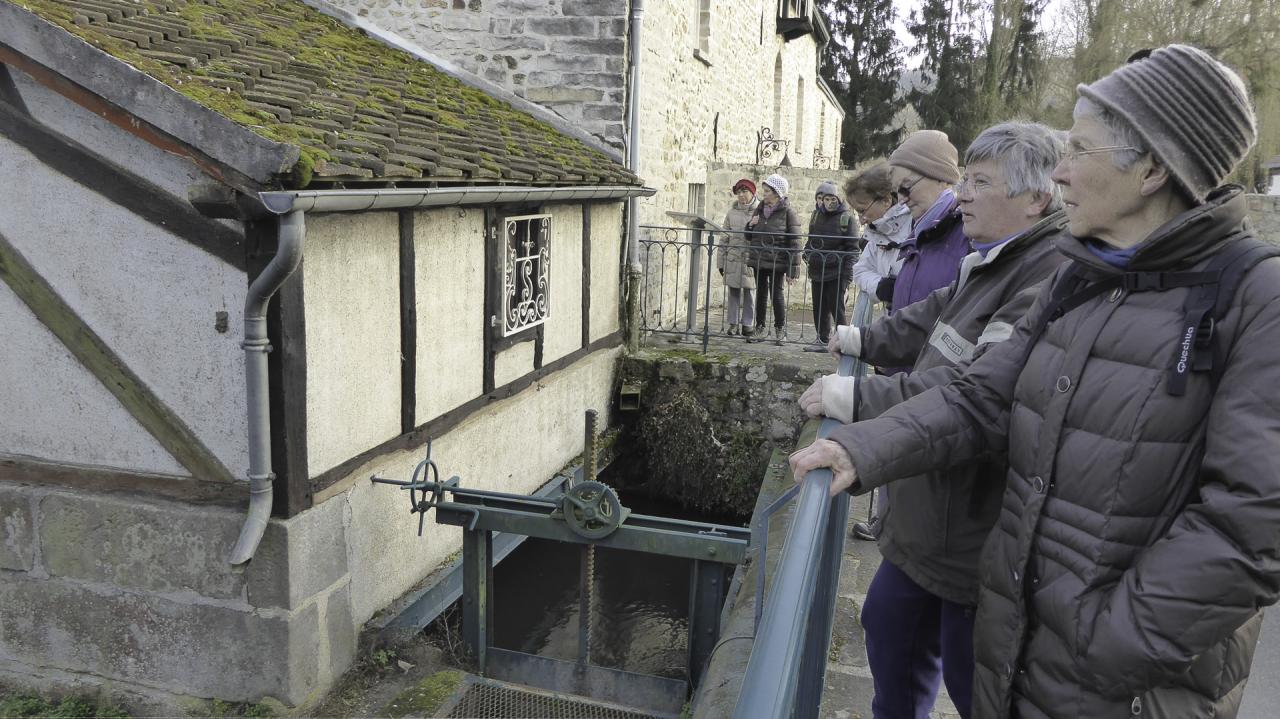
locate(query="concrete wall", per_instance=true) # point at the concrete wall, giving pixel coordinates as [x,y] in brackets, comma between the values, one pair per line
[567,55]
[152,296]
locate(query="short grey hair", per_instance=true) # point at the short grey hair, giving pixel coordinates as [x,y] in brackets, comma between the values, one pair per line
[1122,132]
[1027,153]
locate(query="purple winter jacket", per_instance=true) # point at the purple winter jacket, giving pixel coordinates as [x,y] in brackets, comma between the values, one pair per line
[931,258]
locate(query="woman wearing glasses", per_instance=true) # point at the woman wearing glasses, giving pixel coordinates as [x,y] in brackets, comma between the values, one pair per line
[887,225]
[925,167]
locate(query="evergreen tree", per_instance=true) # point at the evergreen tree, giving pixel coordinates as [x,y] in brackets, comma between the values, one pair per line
[948,95]
[862,64]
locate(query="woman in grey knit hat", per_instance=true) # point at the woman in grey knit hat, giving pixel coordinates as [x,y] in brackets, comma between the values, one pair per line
[1137,405]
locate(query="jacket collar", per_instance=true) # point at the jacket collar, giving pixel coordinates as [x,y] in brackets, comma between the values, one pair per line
[1183,241]
[893,224]
[1040,232]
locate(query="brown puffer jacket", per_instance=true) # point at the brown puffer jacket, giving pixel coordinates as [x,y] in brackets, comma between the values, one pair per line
[1139,534]
[936,523]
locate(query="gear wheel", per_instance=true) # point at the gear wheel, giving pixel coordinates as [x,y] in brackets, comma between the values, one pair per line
[592,509]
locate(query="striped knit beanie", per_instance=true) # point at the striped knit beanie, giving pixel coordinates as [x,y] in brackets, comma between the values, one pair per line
[1191,110]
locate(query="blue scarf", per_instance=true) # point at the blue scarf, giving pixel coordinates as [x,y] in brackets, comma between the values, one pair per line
[983,248]
[1119,259]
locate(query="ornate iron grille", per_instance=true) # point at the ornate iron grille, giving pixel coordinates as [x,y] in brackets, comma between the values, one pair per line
[526,273]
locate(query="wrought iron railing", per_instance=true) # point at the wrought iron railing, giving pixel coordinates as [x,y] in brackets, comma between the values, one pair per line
[687,290]
[786,672]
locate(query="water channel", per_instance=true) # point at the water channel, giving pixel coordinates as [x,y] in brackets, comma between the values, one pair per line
[639,619]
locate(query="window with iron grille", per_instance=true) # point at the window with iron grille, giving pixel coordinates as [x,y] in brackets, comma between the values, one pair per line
[526,272]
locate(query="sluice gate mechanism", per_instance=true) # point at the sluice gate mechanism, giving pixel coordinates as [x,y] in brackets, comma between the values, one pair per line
[587,513]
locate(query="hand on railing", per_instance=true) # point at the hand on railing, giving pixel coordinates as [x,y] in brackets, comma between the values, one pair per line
[830,396]
[824,454]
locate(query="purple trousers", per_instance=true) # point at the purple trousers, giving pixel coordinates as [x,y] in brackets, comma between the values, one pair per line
[915,638]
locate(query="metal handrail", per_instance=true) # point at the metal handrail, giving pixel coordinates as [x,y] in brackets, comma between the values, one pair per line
[785,673]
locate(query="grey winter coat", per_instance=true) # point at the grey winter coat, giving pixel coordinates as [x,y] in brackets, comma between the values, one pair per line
[734,258]
[936,523]
[776,241]
[1139,532]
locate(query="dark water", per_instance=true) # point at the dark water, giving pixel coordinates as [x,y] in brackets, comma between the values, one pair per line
[640,609]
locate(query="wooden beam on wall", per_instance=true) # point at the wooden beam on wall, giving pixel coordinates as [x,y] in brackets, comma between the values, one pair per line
[86,346]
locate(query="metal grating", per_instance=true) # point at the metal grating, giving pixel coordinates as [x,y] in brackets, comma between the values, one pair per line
[503,702]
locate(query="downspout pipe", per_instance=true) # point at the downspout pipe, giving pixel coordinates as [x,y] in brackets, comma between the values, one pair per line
[256,346]
[633,133]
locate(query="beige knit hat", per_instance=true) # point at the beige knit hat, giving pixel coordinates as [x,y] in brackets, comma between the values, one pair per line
[1191,110]
[930,153]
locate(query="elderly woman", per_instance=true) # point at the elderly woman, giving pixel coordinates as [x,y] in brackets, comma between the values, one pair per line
[886,225]
[734,260]
[773,232]
[1138,407]
[934,526]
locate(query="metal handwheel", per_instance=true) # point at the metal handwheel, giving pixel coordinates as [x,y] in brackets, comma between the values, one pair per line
[591,509]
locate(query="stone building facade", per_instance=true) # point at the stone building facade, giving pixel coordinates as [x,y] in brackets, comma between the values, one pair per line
[714,75]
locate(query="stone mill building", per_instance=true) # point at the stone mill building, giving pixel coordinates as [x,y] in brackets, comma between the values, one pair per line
[185,504]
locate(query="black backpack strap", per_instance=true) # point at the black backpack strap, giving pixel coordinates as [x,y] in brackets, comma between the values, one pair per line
[1197,349]
[1063,298]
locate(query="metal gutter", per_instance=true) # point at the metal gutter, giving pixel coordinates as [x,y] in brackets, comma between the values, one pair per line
[284,202]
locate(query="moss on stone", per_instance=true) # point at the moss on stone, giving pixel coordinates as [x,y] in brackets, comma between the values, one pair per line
[425,697]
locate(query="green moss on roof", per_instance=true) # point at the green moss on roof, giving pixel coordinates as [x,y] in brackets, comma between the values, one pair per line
[291,74]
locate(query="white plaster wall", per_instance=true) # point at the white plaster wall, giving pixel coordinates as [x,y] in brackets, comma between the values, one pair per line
[606,267]
[54,409]
[351,282]
[563,331]
[513,363]
[150,295]
[513,446]
[449,254]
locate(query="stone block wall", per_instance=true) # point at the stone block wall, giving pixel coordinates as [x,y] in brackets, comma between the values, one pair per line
[133,596]
[567,55]
[705,108]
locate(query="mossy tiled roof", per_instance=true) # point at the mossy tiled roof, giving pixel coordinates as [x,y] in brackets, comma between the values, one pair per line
[358,109]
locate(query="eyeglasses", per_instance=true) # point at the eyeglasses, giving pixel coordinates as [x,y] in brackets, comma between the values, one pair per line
[969,184]
[904,190]
[867,207]
[1074,153]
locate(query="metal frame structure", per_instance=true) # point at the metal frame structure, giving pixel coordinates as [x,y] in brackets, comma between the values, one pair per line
[481,513]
